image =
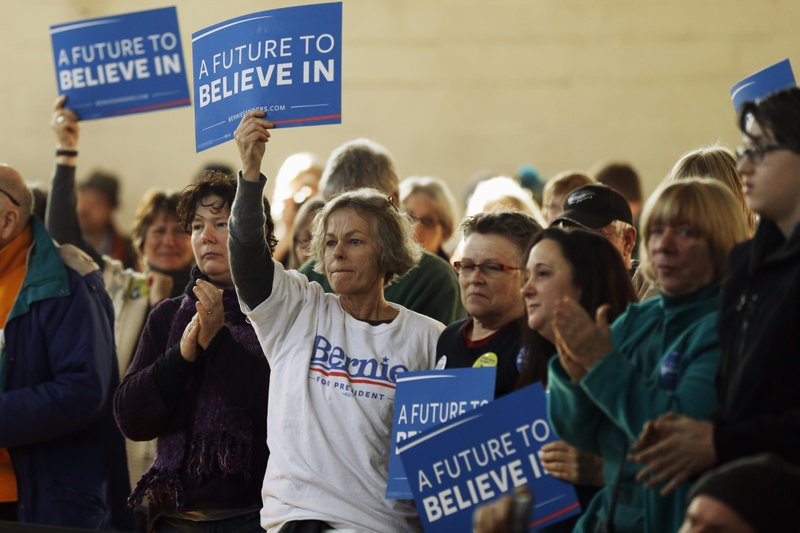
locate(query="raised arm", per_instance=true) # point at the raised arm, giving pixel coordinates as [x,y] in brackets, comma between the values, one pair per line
[247,243]
[61,218]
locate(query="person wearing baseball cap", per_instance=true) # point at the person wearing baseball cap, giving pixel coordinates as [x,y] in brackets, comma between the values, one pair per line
[600,209]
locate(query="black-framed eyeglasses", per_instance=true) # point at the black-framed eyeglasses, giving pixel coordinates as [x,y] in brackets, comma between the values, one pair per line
[757,152]
[489,269]
[13,200]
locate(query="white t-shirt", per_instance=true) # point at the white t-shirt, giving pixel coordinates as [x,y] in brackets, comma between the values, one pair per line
[331,396]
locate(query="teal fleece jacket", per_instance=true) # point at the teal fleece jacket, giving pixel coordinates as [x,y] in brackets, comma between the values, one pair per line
[665,357]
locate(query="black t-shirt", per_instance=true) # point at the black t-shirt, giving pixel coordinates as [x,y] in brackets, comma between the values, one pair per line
[501,349]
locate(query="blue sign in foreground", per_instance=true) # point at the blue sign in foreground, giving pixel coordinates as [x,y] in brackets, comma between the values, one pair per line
[287,62]
[119,65]
[426,399]
[481,455]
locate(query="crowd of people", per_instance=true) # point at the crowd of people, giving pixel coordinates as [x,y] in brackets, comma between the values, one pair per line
[232,365]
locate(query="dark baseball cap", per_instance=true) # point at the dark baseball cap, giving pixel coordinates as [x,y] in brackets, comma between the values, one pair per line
[594,206]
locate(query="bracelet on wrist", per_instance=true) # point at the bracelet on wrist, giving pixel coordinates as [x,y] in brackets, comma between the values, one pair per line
[66,152]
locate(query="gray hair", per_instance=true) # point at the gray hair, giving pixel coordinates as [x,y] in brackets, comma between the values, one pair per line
[356,164]
[439,194]
[391,231]
[518,228]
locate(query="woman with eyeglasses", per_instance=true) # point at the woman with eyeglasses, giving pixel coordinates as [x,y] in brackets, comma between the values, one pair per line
[299,252]
[759,323]
[431,205]
[490,275]
[585,266]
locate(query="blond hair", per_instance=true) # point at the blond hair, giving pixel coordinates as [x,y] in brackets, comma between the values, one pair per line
[719,163]
[702,203]
[502,193]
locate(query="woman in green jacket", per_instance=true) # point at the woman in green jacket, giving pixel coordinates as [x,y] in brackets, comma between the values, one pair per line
[660,355]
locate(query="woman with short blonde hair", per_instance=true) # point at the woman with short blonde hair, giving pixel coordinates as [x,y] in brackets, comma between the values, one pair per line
[702,203]
[659,356]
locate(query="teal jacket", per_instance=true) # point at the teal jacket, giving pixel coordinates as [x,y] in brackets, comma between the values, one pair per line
[665,357]
[430,288]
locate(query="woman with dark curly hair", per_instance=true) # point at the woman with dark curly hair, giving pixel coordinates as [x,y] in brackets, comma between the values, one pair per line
[199,383]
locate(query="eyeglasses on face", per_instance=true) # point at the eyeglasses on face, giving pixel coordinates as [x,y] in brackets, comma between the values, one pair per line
[489,269]
[427,220]
[757,152]
[13,200]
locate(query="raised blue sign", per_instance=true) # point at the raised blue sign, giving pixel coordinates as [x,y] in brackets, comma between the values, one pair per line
[119,65]
[762,83]
[481,455]
[287,62]
[428,398]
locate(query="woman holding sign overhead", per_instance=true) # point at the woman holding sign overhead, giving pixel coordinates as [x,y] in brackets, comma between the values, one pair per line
[334,357]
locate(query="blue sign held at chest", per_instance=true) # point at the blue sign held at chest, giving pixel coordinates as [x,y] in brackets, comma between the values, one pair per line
[482,455]
[427,399]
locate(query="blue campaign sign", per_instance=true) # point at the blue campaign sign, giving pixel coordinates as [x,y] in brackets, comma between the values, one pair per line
[762,83]
[482,455]
[424,400]
[287,62]
[122,64]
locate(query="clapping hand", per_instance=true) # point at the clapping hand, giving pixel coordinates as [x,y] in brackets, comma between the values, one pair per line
[581,342]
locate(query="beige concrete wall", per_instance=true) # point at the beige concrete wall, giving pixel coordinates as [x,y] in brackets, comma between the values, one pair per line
[451,87]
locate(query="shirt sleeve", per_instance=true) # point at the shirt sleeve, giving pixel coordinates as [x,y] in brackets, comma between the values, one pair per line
[629,393]
[156,379]
[250,256]
[573,415]
[294,304]
[61,217]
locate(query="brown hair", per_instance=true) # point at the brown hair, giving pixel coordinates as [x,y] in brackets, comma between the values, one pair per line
[215,183]
[621,177]
[154,203]
[562,184]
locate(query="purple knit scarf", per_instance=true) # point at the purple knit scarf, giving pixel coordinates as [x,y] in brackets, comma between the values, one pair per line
[217,436]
